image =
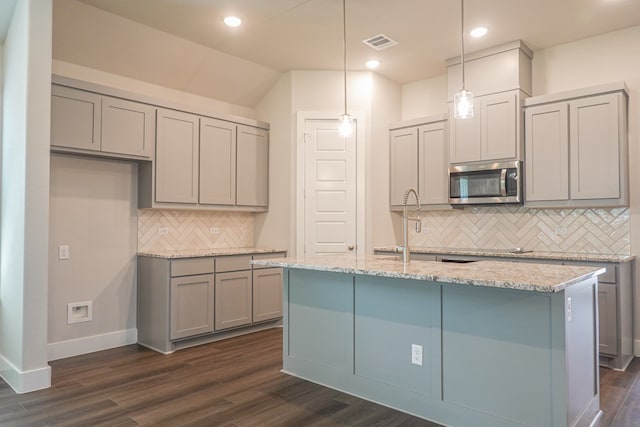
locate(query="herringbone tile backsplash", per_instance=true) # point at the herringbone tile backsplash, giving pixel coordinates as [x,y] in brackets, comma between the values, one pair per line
[193,229]
[599,231]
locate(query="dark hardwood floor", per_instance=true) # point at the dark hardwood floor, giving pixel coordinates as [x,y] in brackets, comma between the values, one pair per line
[230,383]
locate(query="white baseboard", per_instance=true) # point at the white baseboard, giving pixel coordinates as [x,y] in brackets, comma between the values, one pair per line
[24,381]
[78,346]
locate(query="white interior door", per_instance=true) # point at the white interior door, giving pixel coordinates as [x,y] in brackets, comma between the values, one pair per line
[330,190]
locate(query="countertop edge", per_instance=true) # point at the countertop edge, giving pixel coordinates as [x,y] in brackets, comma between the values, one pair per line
[559,256]
[197,253]
[290,264]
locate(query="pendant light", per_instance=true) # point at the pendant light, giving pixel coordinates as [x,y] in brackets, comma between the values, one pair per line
[463,100]
[345,126]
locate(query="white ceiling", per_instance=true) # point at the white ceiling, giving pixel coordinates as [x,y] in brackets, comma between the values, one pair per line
[307,34]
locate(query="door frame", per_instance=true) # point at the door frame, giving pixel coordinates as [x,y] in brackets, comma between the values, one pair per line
[302,117]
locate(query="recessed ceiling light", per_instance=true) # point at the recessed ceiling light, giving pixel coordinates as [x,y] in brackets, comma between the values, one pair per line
[478,32]
[373,64]
[232,21]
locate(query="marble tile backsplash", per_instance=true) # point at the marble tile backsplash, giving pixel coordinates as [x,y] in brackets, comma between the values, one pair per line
[193,229]
[598,231]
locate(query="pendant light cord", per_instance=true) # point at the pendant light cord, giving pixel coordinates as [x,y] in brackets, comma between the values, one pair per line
[344,49]
[462,41]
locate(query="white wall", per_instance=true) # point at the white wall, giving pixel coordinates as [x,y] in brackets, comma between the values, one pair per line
[276,228]
[377,98]
[93,209]
[140,87]
[424,98]
[25,197]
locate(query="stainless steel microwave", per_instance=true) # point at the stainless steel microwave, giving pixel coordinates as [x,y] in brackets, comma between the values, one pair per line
[486,183]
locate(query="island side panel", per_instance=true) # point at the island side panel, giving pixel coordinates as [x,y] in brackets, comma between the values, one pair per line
[497,352]
[319,326]
[392,315]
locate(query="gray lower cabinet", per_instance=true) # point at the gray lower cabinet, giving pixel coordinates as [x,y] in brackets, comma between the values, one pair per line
[267,294]
[607,308]
[188,301]
[192,306]
[233,299]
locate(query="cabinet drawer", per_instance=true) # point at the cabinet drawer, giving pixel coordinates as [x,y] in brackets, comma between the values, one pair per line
[192,266]
[233,263]
[268,256]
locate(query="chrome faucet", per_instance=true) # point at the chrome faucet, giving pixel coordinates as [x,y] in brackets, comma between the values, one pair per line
[406,253]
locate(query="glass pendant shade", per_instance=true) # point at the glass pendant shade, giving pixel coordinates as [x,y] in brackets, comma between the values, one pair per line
[463,104]
[345,126]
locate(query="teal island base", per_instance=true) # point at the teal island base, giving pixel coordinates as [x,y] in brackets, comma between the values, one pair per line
[455,354]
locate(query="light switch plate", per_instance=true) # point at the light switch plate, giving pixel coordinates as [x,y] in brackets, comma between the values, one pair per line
[63,252]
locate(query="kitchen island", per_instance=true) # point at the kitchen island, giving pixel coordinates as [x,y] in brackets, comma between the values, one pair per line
[479,344]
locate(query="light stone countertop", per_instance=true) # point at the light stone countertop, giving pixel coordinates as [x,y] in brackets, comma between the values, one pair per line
[193,253]
[497,274]
[504,253]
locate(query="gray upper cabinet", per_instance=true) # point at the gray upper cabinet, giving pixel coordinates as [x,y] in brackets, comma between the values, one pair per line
[205,163]
[127,127]
[547,152]
[493,133]
[252,173]
[500,78]
[419,159]
[217,162]
[176,163]
[75,118]
[404,163]
[86,122]
[576,148]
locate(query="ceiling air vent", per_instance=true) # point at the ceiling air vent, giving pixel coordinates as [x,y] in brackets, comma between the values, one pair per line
[380,42]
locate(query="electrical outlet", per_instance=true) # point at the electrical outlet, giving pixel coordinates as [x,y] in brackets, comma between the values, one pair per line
[214,230]
[63,252]
[163,231]
[416,354]
[561,231]
[569,314]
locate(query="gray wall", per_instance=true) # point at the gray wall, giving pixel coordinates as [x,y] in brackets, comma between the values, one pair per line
[93,209]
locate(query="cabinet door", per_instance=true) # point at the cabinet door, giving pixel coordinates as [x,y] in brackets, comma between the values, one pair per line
[233,299]
[607,310]
[127,127]
[403,168]
[595,150]
[547,152]
[252,175]
[192,306]
[433,164]
[498,116]
[217,162]
[176,165]
[75,118]
[464,136]
[267,294]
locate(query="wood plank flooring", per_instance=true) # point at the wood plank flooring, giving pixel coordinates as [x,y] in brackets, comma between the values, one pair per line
[231,383]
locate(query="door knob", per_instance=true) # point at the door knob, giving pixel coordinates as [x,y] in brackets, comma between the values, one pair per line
[351,247]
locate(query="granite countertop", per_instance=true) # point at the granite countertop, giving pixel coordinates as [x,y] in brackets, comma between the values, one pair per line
[192,253]
[497,274]
[505,253]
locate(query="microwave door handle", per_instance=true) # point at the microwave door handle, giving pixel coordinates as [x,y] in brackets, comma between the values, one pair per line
[503,182]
